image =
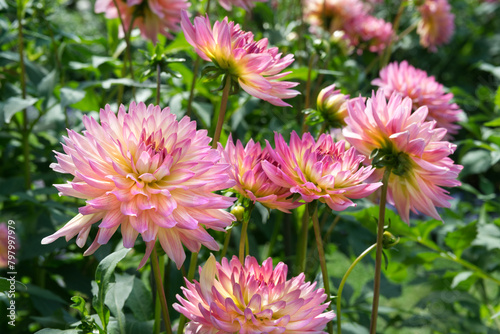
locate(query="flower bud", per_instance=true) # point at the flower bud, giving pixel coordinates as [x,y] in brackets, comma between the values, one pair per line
[238,212]
[389,240]
[332,105]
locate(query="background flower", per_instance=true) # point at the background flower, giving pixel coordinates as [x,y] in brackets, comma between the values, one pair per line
[147,173]
[412,148]
[251,181]
[234,52]
[423,90]
[152,17]
[245,4]
[436,25]
[322,170]
[249,298]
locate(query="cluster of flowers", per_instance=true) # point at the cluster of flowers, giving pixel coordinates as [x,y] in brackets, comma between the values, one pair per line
[362,30]
[146,173]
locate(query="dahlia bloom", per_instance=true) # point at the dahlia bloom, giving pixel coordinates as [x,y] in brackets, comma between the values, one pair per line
[333,15]
[252,299]
[150,16]
[255,67]
[412,147]
[245,4]
[423,91]
[436,26]
[147,173]
[332,105]
[374,31]
[251,181]
[322,170]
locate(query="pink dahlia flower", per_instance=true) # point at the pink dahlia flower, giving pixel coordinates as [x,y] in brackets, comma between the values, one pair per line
[251,181]
[147,173]
[252,299]
[412,147]
[255,67]
[332,105]
[150,16]
[245,4]
[423,91]
[375,32]
[436,26]
[322,170]
[332,15]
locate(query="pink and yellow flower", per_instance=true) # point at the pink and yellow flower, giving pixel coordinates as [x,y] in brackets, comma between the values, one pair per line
[322,170]
[249,63]
[436,25]
[147,173]
[152,17]
[252,299]
[374,32]
[245,4]
[4,244]
[410,146]
[423,90]
[251,181]
[333,15]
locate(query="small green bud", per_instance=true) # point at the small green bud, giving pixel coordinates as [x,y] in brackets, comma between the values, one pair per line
[389,240]
[238,211]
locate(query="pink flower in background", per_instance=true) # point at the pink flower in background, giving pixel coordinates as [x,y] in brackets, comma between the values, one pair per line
[152,17]
[251,181]
[251,64]
[147,173]
[423,91]
[252,299]
[436,25]
[333,15]
[374,31]
[322,170]
[245,4]
[412,147]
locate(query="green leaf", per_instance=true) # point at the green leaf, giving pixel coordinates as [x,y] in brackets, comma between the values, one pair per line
[497,98]
[301,73]
[79,304]
[462,278]
[461,238]
[16,104]
[488,236]
[496,121]
[103,277]
[57,331]
[118,293]
[71,96]
[4,284]
[476,162]
[140,301]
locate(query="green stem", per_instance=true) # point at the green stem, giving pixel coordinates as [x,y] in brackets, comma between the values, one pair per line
[190,276]
[227,237]
[25,132]
[274,236]
[160,290]
[302,244]
[158,83]
[157,325]
[342,283]
[308,89]
[193,84]
[378,256]
[222,110]
[244,234]
[395,27]
[321,253]
[331,227]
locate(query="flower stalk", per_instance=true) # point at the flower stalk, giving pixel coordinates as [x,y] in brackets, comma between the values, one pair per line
[160,290]
[342,283]
[378,256]
[313,207]
[244,234]
[222,110]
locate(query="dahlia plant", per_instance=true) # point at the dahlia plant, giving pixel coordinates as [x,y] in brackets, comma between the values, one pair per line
[411,147]
[152,17]
[436,25]
[245,4]
[147,173]
[247,63]
[235,297]
[423,90]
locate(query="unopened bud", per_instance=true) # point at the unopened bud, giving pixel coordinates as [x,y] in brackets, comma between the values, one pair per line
[333,106]
[389,240]
[238,212]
